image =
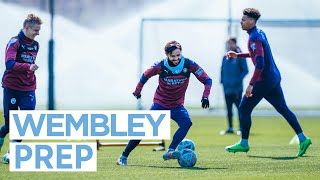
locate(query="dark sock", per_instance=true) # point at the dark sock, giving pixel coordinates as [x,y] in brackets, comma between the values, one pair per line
[131,145]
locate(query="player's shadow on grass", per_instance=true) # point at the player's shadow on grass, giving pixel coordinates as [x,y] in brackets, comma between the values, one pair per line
[188,168]
[274,158]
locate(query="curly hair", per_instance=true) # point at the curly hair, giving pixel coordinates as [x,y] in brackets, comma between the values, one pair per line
[31,20]
[252,12]
[171,46]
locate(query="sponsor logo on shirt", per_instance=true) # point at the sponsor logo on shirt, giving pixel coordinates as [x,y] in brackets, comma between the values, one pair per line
[175,81]
[28,58]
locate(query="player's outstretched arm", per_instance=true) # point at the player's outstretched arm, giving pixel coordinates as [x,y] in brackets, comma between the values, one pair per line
[152,71]
[203,77]
[232,54]
[139,87]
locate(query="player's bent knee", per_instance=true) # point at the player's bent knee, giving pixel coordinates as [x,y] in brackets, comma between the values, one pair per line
[244,111]
[283,109]
[6,129]
[188,124]
[241,109]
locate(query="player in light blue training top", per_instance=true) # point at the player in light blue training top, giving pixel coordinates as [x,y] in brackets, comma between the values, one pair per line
[174,74]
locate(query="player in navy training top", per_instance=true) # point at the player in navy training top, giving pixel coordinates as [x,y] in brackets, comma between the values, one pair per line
[265,83]
[174,74]
[232,73]
[19,80]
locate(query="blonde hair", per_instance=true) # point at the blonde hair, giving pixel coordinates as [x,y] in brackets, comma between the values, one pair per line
[31,20]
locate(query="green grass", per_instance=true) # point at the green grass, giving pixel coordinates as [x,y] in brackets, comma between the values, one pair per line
[270,156]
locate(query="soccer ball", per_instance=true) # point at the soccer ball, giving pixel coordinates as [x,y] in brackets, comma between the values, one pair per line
[186,144]
[188,158]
